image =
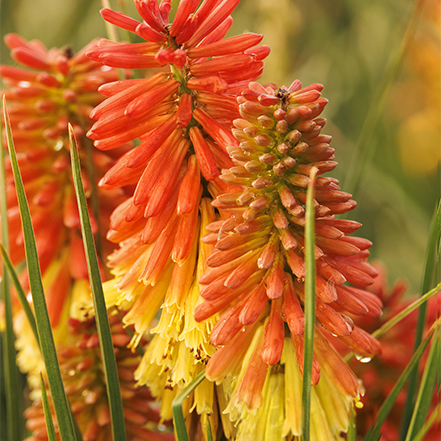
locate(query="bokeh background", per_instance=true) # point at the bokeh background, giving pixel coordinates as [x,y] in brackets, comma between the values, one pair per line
[380,63]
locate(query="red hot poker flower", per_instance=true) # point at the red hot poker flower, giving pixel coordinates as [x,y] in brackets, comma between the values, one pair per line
[257,267]
[48,90]
[195,101]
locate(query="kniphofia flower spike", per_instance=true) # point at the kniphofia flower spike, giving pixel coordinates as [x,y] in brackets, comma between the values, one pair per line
[256,279]
[182,116]
[48,89]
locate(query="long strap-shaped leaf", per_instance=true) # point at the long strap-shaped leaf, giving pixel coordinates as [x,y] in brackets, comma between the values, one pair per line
[386,407]
[12,386]
[20,292]
[431,276]
[47,412]
[178,415]
[309,308]
[103,327]
[427,386]
[48,350]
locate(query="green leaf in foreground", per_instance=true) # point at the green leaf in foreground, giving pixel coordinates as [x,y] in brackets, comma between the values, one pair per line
[48,350]
[20,292]
[12,383]
[386,407]
[425,393]
[309,308]
[47,412]
[431,276]
[209,434]
[178,415]
[103,327]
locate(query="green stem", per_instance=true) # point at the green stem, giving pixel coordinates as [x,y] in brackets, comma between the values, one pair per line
[178,415]
[309,309]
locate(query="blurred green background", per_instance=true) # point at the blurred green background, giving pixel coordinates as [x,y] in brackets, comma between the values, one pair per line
[350,46]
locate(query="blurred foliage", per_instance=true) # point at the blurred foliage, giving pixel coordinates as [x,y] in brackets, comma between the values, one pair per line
[347,45]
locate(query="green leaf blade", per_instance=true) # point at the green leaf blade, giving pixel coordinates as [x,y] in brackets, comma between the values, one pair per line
[49,353]
[103,327]
[309,308]
[178,415]
[386,407]
[13,390]
[431,276]
[47,412]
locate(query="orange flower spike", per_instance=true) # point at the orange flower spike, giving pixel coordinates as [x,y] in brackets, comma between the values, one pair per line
[188,193]
[186,233]
[204,155]
[294,316]
[185,110]
[339,372]
[249,390]
[226,360]
[274,334]
[298,343]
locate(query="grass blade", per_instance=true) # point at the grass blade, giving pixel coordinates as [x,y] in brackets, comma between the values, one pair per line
[406,311]
[178,415]
[431,276]
[425,392]
[48,350]
[103,327]
[430,421]
[20,292]
[352,430]
[47,412]
[386,407]
[309,308]
[12,380]
[209,433]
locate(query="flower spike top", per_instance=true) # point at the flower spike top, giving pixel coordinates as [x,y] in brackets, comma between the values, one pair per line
[185,113]
[257,268]
[47,90]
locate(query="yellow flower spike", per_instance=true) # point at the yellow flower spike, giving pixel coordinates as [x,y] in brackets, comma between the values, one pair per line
[204,397]
[167,397]
[335,405]
[293,391]
[150,371]
[29,358]
[319,430]
[223,394]
[182,279]
[236,405]
[146,305]
[184,370]
[275,407]
[170,322]
[196,334]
